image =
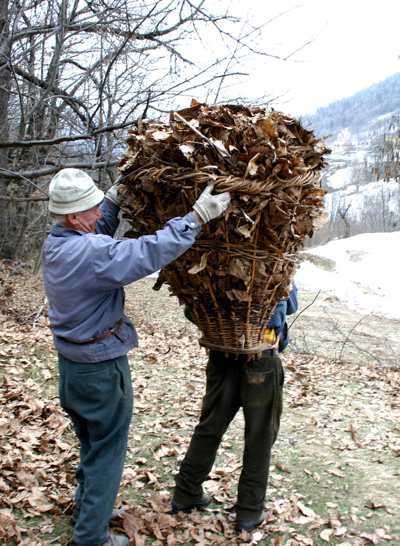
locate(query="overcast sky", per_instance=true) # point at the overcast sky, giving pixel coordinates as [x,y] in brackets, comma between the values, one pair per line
[354,43]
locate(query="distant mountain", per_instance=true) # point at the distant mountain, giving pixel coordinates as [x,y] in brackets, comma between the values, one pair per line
[363,173]
[358,112]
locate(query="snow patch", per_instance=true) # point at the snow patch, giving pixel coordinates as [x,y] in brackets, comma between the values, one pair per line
[340,178]
[365,276]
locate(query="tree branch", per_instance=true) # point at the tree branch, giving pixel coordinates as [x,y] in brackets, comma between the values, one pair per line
[37,173]
[22,199]
[72,101]
[59,140]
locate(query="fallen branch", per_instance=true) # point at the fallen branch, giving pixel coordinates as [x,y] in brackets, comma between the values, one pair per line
[349,334]
[340,331]
[305,309]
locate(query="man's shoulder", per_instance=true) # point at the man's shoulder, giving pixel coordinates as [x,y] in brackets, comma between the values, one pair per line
[99,245]
[99,239]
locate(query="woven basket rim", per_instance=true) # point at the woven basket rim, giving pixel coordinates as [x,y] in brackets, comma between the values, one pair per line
[236,350]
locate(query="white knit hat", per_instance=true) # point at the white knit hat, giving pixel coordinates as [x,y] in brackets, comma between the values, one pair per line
[72,190]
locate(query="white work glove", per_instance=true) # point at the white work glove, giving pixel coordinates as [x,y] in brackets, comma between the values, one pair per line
[210,206]
[112,195]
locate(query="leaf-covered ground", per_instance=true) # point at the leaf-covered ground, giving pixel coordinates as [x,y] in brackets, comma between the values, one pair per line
[335,474]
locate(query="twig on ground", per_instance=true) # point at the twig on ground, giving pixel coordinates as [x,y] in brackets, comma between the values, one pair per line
[349,334]
[340,331]
[39,313]
[305,308]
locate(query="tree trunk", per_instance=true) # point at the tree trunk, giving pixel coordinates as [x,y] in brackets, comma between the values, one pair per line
[5,51]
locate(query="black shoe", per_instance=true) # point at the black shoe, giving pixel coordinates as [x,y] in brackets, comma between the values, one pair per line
[199,504]
[248,524]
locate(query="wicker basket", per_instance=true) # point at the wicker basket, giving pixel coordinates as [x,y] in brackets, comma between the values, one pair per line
[233,320]
[243,264]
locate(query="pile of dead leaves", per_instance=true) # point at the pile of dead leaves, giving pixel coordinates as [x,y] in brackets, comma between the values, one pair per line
[23,306]
[36,461]
[242,264]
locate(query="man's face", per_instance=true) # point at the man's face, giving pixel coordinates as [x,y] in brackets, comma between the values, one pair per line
[85,221]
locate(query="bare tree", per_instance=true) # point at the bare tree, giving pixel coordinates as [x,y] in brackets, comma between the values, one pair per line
[343,212]
[4,96]
[76,74]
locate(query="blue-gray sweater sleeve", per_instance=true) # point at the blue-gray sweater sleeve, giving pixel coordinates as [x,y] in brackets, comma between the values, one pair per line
[109,222]
[117,263]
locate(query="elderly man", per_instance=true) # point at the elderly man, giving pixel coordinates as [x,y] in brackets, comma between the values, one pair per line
[84,272]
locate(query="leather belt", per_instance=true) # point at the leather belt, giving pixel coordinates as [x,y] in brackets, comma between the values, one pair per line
[111,332]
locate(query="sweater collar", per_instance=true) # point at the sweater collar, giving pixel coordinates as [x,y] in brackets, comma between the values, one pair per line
[58,230]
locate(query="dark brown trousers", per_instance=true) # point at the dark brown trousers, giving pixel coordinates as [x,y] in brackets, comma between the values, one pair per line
[234,382]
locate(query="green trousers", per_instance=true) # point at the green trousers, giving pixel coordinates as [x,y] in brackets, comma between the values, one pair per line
[234,382]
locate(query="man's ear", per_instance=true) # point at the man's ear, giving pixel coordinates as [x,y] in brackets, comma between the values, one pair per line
[71,220]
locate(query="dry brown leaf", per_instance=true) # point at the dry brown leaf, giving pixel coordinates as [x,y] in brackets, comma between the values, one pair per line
[282,468]
[199,267]
[306,510]
[370,538]
[336,472]
[326,534]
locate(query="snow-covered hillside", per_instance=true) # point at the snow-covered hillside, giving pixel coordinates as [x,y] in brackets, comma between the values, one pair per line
[353,185]
[363,132]
[362,271]
[372,199]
